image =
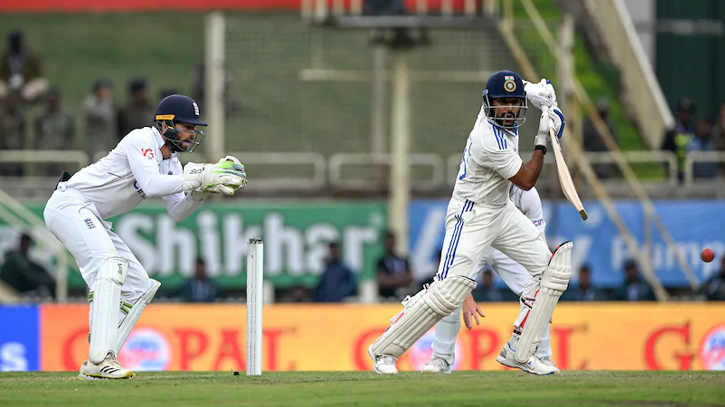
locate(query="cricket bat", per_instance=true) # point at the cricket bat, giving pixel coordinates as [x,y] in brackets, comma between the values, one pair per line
[567,184]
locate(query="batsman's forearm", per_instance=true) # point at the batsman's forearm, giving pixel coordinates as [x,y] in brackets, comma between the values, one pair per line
[532,170]
[535,164]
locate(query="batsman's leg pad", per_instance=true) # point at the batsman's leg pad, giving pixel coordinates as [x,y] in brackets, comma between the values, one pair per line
[104,307]
[133,314]
[554,282]
[421,313]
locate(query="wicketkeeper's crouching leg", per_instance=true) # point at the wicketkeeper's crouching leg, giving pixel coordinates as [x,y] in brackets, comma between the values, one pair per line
[107,336]
[537,308]
[420,313]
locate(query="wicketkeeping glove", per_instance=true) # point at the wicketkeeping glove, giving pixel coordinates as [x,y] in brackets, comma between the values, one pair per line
[222,177]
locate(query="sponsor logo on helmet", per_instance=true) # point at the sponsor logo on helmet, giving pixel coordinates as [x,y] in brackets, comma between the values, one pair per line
[196,109]
[509,83]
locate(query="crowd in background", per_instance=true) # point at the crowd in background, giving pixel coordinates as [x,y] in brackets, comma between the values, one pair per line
[690,135]
[339,283]
[686,136]
[52,126]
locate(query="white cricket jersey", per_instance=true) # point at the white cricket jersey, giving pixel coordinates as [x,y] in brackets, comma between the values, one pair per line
[491,157]
[132,172]
[529,203]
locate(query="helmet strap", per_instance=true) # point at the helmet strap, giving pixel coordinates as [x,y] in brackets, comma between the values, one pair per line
[170,135]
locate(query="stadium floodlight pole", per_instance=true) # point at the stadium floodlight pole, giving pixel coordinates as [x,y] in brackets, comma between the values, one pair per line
[214,84]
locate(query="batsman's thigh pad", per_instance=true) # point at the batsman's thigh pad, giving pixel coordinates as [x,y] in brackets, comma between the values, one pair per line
[104,307]
[134,314]
[421,313]
[553,284]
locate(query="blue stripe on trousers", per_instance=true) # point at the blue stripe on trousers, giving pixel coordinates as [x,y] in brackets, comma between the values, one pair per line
[455,239]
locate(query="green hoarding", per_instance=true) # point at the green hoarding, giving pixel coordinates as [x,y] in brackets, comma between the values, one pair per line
[295,239]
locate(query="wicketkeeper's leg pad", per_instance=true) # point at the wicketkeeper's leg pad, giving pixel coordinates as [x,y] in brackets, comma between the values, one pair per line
[554,282]
[104,306]
[421,313]
[133,314]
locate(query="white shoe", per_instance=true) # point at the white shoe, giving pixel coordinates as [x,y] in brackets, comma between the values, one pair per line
[548,362]
[437,365]
[108,369]
[382,364]
[533,365]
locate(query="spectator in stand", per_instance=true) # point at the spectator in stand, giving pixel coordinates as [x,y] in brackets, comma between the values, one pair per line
[199,288]
[138,111]
[25,275]
[633,288]
[584,290]
[21,70]
[486,291]
[714,287]
[12,132]
[54,130]
[678,139]
[394,274]
[99,117]
[718,130]
[337,282]
[703,142]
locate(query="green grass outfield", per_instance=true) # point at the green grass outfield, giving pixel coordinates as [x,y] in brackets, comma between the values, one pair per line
[511,388]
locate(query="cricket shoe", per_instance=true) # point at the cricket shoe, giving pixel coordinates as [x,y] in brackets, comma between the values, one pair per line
[507,357]
[382,364]
[548,362]
[108,369]
[437,365]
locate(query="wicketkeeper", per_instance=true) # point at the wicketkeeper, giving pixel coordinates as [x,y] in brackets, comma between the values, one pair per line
[145,164]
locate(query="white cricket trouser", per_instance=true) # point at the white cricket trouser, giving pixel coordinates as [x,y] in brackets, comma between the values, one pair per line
[471,229]
[514,276]
[77,224]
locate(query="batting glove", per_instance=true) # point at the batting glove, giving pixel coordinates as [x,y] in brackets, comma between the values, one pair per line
[542,135]
[557,121]
[540,94]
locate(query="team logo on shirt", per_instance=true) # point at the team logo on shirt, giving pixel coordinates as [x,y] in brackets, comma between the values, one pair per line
[89,223]
[509,84]
[147,153]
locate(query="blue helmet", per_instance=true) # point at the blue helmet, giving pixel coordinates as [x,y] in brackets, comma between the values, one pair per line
[179,109]
[505,84]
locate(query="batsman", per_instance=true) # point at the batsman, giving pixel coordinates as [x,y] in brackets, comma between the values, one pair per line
[481,215]
[145,164]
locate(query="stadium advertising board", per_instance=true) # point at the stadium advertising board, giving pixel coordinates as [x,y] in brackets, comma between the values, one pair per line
[295,240]
[625,336]
[19,343]
[694,225]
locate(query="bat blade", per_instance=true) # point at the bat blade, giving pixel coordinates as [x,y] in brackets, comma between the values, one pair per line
[567,184]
